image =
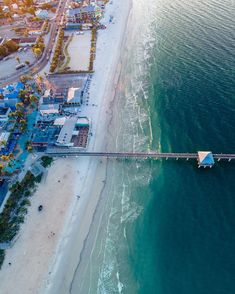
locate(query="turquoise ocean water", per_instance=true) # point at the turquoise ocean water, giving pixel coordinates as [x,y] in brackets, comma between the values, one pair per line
[168,227]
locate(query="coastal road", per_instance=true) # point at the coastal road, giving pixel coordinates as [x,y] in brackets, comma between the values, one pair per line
[43,60]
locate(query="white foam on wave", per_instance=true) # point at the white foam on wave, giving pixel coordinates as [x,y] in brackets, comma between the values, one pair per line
[119,285]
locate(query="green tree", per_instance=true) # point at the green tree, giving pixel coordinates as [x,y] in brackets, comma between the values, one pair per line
[40,79]
[19,105]
[31,10]
[25,78]
[33,99]
[3,51]
[37,51]
[22,94]
[11,46]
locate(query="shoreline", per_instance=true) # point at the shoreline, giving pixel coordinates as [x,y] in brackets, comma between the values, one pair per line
[77,245]
[64,229]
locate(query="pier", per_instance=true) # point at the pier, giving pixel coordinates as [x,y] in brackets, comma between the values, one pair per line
[204,158]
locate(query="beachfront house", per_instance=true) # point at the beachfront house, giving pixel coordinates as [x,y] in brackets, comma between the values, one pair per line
[74,132]
[54,96]
[87,14]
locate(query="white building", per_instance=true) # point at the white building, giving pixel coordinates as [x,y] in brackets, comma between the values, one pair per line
[14,6]
[4,136]
[15,16]
[74,96]
[47,109]
[67,132]
[5,9]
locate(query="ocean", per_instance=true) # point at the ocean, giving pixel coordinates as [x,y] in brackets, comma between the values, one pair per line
[167,227]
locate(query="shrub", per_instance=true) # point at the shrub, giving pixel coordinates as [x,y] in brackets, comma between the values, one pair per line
[2,256]
[46,161]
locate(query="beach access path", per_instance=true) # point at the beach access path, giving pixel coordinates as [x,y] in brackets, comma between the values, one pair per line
[47,252]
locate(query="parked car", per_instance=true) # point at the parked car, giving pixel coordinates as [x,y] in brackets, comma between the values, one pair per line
[19,66]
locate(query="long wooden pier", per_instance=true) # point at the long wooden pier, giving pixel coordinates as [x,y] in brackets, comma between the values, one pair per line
[58,152]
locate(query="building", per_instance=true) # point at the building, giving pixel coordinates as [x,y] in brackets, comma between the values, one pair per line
[47,97]
[74,96]
[4,137]
[205,159]
[53,3]
[37,169]
[56,96]
[74,133]
[48,109]
[45,137]
[73,26]
[34,32]
[5,9]
[10,94]
[14,6]
[4,113]
[59,121]
[15,16]
[86,14]
[32,24]
[42,13]
[10,99]
[66,133]
[25,41]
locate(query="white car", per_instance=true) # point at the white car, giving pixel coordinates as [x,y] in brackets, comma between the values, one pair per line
[80,33]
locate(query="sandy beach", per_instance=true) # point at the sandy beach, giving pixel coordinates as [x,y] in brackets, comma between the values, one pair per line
[48,249]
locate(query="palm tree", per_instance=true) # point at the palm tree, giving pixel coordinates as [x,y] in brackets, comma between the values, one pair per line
[19,105]
[11,156]
[40,79]
[33,98]
[37,52]
[27,62]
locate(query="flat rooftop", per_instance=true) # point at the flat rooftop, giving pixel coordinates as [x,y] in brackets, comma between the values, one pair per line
[67,130]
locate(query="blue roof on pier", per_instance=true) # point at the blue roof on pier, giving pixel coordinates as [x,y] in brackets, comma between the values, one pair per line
[205,158]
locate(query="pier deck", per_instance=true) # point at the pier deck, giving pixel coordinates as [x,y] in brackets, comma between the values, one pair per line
[70,152]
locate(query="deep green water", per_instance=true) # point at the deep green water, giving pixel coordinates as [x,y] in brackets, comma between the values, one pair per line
[167,227]
[184,240]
